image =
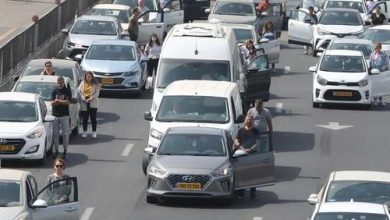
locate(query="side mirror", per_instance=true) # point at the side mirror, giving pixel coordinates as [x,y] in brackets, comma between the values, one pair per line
[239,119]
[148,116]
[264,14]
[49,118]
[65,31]
[313,199]
[207,11]
[308,21]
[312,69]
[16,78]
[375,72]
[263,40]
[150,150]
[240,153]
[39,203]
[78,57]
[166,10]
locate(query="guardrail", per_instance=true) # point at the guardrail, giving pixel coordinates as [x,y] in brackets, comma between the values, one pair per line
[24,44]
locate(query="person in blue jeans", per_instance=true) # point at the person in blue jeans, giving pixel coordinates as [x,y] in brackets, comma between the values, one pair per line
[379,60]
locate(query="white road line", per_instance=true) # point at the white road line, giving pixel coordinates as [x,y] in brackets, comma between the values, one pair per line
[87,213]
[127,150]
[257,218]
[279,107]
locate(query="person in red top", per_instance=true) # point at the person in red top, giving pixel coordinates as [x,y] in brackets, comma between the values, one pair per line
[263,5]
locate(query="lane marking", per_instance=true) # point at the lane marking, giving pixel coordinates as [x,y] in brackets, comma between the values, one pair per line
[257,218]
[279,107]
[87,213]
[127,150]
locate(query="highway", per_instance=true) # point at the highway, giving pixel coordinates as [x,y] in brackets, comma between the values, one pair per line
[309,144]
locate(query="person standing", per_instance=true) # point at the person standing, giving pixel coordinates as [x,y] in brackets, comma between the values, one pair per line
[248,50]
[314,19]
[379,60]
[152,51]
[48,69]
[133,25]
[268,31]
[89,92]
[378,18]
[59,193]
[262,117]
[60,100]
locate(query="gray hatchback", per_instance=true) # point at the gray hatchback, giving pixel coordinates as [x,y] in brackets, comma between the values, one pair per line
[198,162]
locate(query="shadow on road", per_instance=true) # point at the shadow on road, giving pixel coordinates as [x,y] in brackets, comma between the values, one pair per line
[286,174]
[105,117]
[101,138]
[275,112]
[378,108]
[292,141]
[274,96]
[147,94]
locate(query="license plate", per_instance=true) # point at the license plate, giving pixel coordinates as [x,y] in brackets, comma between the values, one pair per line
[107,81]
[343,94]
[7,147]
[189,186]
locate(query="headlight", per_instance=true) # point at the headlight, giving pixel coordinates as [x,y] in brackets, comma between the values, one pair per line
[224,170]
[363,83]
[321,81]
[322,32]
[155,171]
[32,149]
[37,133]
[131,73]
[156,134]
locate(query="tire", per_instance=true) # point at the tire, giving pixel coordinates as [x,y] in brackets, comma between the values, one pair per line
[316,105]
[151,199]
[145,162]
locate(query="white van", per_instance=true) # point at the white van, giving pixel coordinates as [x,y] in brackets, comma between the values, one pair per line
[205,103]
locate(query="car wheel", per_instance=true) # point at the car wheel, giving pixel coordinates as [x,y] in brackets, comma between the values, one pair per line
[145,162]
[151,199]
[316,105]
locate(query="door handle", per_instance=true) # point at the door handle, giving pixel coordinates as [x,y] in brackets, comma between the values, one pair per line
[71,209]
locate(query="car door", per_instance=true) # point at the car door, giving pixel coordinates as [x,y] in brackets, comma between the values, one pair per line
[173,13]
[384,10]
[148,26]
[44,204]
[256,168]
[300,31]
[195,9]
[258,78]
[380,84]
[272,49]
[48,125]
[273,14]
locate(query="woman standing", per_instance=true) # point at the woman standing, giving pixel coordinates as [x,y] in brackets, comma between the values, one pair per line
[152,51]
[268,31]
[248,50]
[89,92]
[59,193]
[379,60]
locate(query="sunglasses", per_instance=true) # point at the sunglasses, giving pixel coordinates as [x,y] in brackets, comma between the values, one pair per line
[59,166]
[48,65]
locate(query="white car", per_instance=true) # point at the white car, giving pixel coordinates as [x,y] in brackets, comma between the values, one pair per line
[379,33]
[25,128]
[351,211]
[332,23]
[43,86]
[363,45]
[121,12]
[20,198]
[343,76]
[359,5]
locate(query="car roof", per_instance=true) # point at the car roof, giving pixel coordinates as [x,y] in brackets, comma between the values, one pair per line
[200,88]
[112,6]
[18,96]
[10,174]
[42,78]
[340,10]
[352,41]
[195,130]
[97,18]
[352,207]
[343,52]
[114,42]
[55,62]
[360,175]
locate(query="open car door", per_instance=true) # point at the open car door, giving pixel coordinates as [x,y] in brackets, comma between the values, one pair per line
[255,168]
[58,200]
[271,48]
[380,83]
[149,24]
[300,28]
[258,78]
[273,14]
[173,13]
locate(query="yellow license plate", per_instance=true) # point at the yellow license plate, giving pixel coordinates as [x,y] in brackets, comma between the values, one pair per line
[189,186]
[107,81]
[343,94]
[7,147]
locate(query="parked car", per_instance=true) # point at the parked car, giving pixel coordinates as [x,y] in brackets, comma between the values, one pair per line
[363,45]
[25,127]
[199,163]
[381,34]
[121,12]
[359,5]
[119,65]
[43,86]
[20,198]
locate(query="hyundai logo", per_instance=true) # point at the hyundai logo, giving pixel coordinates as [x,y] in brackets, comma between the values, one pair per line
[187,178]
[3,141]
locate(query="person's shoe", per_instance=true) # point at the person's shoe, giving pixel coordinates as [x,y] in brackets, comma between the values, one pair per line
[94,134]
[84,135]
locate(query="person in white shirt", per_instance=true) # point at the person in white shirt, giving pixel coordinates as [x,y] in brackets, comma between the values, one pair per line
[152,51]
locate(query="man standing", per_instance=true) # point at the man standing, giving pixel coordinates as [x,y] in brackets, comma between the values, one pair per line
[262,117]
[314,20]
[60,100]
[133,25]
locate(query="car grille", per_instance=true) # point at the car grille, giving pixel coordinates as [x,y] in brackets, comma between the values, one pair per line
[174,179]
[18,143]
[342,84]
[108,74]
[332,94]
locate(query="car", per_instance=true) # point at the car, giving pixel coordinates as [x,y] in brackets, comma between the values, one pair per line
[119,65]
[363,45]
[351,210]
[152,5]
[20,198]
[121,12]
[359,5]
[26,131]
[61,67]
[43,85]
[356,185]
[198,162]
[381,34]
[273,14]
[88,28]
[332,23]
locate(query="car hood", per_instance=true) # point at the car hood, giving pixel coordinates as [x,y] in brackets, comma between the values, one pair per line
[340,29]
[109,66]
[163,126]
[10,212]
[232,19]
[17,128]
[345,77]
[86,40]
[188,164]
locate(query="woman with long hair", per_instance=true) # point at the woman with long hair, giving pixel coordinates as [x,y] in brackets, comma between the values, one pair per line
[152,51]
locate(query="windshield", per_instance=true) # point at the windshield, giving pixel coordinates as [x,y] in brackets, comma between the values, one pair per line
[171,70]
[94,28]
[111,52]
[243,35]
[192,144]
[349,216]
[44,89]
[376,192]
[332,63]
[121,15]
[375,35]
[340,18]
[346,4]
[9,193]
[134,3]
[59,71]
[193,109]
[13,111]
[233,8]
[366,49]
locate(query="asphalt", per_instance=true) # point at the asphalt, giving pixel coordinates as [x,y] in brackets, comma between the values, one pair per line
[112,186]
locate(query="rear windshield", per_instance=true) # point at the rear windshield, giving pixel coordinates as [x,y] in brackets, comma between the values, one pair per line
[58,71]
[121,15]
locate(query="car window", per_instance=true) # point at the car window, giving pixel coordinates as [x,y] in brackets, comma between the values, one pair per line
[375,35]
[111,52]
[16,111]
[44,89]
[33,184]
[121,15]
[349,216]
[243,35]
[332,63]
[10,193]
[259,63]
[346,4]
[93,27]
[340,18]
[59,192]
[134,3]
[233,8]
[59,71]
[43,108]
[366,49]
